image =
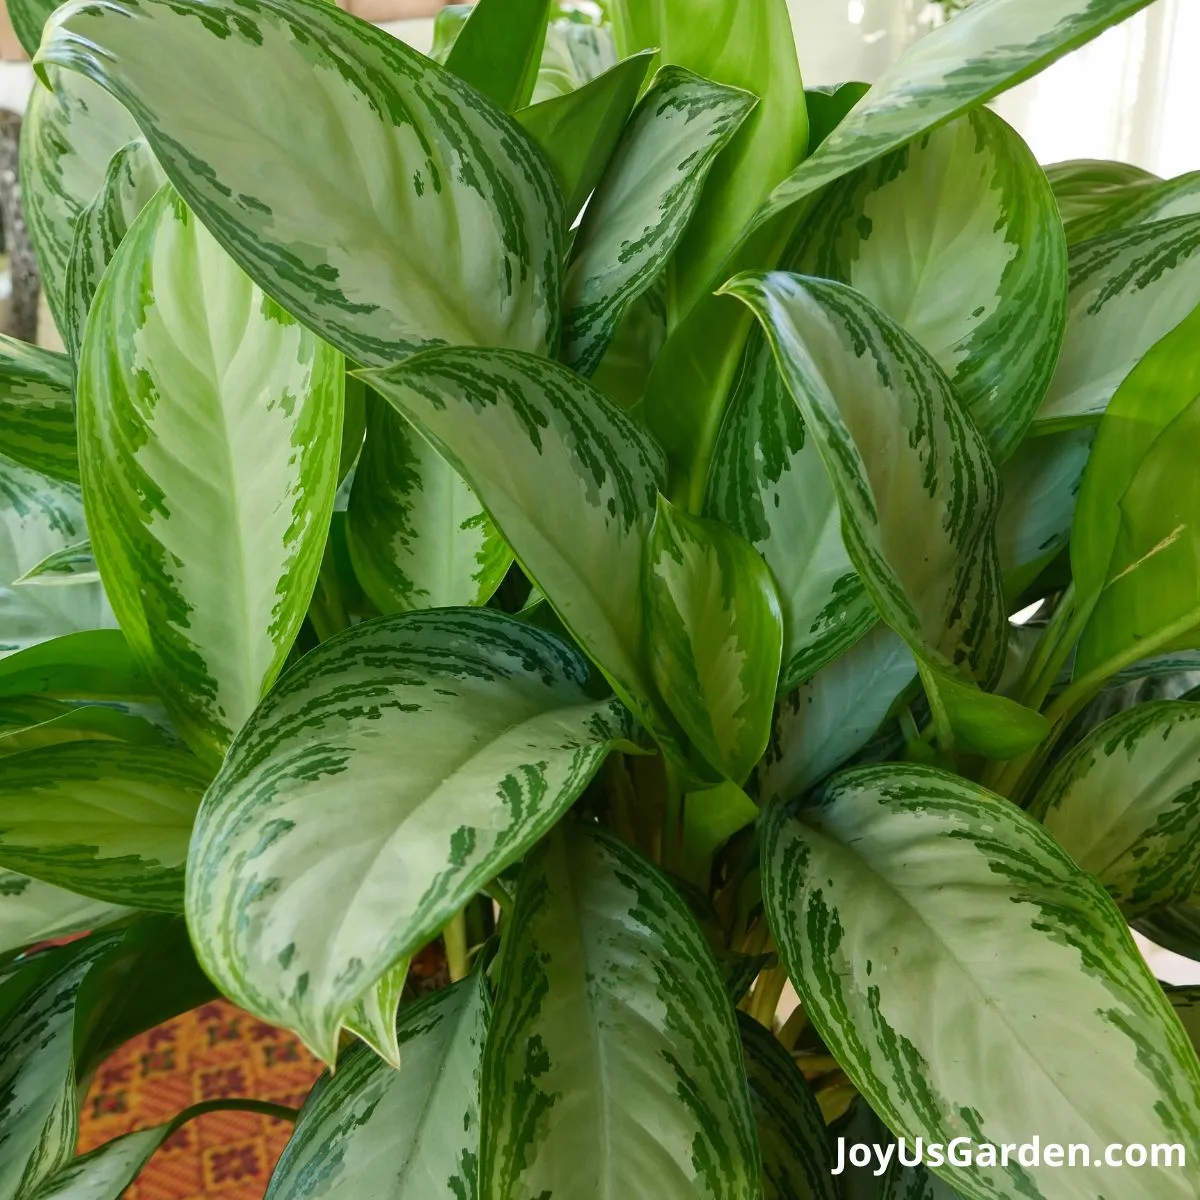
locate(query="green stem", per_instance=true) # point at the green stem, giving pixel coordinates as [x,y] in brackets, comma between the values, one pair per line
[673,818]
[943,730]
[457,956]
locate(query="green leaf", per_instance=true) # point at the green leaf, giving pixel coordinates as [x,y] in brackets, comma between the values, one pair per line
[916,487]
[92,665]
[185,360]
[410,1135]
[130,183]
[1041,484]
[351,212]
[1125,805]
[68,136]
[37,414]
[986,723]
[828,108]
[567,478]
[643,204]
[609,1005]
[878,900]
[38,1104]
[988,47]
[447,25]
[28,17]
[62,568]
[499,49]
[796,1162]
[1186,1003]
[373,1018]
[1084,187]
[1175,928]
[107,1171]
[1140,203]
[579,130]
[769,484]
[575,53]
[85,723]
[752,50]
[828,719]
[626,365]
[1128,290]
[716,633]
[1135,547]
[105,819]
[33,912]
[962,212]
[417,535]
[711,818]
[436,748]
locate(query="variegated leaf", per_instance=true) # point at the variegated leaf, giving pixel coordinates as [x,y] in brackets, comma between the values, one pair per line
[1084,187]
[916,487]
[105,819]
[828,719]
[877,899]
[956,237]
[519,430]
[408,1135]
[1041,484]
[67,139]
[716,633]
[768,483]
[792,1140]
[37,413]
[575,53]
[185,360]
[107,1171]
[612,1064]
[132,178]
[986,48]
[32,911]
[71,565]
[393,772]
[643,204]
[38,1105]
[398,210]
[38,517]
[417,535]
[373,1018]
[92,665]
[77,723]
[579,131]
[1139,204]
[1128,290]
[1125,804]
[28,17]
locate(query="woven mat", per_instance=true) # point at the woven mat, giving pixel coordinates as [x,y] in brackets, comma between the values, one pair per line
[215,1051]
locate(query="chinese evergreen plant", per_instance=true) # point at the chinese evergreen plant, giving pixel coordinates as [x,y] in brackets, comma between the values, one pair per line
[565,500]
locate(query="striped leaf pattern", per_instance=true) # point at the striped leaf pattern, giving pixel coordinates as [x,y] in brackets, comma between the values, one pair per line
[417,535]
[574,54]
[824,722]
[956,236]
[104,819]
[1084,187]
[258,423]
[78,723]
[92,665]
[1142,202]
[326,849]
[32,911]
[28,17]
[1127,290]
[716,635]
[769,484]
[409,1135]
[130,183]
[37,415]
[521,429]
[643,204]
[38,1105]
[38,517]
[916,487]
[71,565]
[986,48]
[792,1140]
[613,1065]
[72,128]
[399,209]
[107,1171]
[877,900]
[1125,804]
[373,1017]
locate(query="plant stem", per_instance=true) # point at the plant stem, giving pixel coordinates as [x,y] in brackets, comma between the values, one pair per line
[941,718]
[234,1104]
[457,956]
[767,993]
[673,818]
[793,1027]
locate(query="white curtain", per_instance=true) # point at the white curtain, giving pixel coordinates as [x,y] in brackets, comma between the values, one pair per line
[1132,94]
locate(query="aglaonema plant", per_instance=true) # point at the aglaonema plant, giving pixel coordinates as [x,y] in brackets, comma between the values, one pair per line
[563,500]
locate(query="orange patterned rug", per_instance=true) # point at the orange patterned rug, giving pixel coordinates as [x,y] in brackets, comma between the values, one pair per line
[215,1051]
